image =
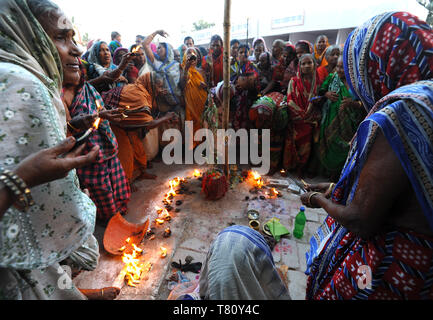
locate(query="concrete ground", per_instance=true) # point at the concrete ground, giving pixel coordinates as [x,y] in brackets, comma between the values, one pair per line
[193,230]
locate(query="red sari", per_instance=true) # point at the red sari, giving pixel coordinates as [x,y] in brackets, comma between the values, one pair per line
[215,65]
[299,138]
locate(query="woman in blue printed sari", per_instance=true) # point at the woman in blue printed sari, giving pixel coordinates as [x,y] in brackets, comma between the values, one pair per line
[377,240]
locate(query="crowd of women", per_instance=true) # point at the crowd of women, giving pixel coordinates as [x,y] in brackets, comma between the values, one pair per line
[113,103]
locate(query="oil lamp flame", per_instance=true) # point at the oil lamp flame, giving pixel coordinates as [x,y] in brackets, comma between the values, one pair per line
[96,123]
[197,173]
[163,252]
[257,179]
[134,269]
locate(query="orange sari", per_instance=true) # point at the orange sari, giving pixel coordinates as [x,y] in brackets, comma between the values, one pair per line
[195,97]
[320,58]
[131,153]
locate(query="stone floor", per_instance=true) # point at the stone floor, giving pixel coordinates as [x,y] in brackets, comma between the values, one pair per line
[193,230]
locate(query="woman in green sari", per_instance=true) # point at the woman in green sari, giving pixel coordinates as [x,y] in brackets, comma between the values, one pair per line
[341,116]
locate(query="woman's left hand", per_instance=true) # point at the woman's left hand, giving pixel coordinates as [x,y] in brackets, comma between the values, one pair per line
[306,198]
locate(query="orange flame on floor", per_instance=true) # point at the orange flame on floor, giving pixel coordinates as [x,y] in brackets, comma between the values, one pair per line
[133,267]
[257,179]
[197,174]
[163,252]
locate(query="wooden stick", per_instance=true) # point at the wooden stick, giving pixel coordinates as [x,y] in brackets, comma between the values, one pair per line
[120,279]
[226,101]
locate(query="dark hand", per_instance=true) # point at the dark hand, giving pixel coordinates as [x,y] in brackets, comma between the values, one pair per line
[319,187]
[171,117]
[162,33]
[331,96]
[47,165]
[126,59]
[83,121]
[111,115]
[308,201]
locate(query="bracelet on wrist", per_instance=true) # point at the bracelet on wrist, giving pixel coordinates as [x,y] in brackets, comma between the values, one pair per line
[18,188]
[310,197]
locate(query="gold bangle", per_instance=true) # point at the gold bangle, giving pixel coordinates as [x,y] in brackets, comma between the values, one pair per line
[331,187]
[72,127]
[102,295]
[309,198]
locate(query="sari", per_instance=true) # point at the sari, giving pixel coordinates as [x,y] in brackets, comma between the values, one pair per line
[105,179]
[320,58]
[138,97]
[274,103]
[400,259]
[299,139]
[195,98]
[240,266]
[60,225]
[170,70]
[337,128]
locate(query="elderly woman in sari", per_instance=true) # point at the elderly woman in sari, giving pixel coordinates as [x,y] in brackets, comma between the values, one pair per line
[163,62]
[320,47]
[259,46]
[136,102]
[58,228]
[331,55]
[277,50]
[380,222]
[101,72]
[341,116]
[299,139]
[194,88]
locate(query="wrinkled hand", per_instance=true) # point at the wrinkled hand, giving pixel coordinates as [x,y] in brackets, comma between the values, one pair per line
[305,200]
[331,96]
[171,117]
[48,165]
[114,115]
[320,187]
[83,121]
[126,59]
[162,33]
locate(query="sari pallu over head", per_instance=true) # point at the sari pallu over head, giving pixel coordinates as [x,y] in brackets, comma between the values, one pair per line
[169,69]
[31,75]
[405,117]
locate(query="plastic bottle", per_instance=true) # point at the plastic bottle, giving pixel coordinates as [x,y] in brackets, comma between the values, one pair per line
[300,221]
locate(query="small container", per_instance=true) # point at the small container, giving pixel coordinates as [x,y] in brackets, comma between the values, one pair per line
[254,224]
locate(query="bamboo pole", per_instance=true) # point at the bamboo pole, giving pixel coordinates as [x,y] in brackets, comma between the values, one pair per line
[226,100]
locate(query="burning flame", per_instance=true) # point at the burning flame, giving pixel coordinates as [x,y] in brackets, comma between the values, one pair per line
[274,192]
[98,105]
[163,252]
[136,49]
[96,123]
[133,268]
[197,173]
[257,179]
[163,215]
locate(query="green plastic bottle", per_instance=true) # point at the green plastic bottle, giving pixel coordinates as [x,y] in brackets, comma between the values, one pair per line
[300,221]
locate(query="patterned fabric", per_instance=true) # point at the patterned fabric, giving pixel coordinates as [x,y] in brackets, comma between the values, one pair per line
[170,70]
[85,103]
[105,179]
[113,46]
[387,52]
[239,266]
[108,186]
[274,104]
[32,118]
[300,133]
[401,260]
[337,128]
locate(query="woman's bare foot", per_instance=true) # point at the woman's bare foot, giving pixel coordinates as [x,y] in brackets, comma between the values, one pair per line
[110,293]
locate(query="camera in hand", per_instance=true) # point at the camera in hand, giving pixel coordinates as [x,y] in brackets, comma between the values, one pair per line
[192,58]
